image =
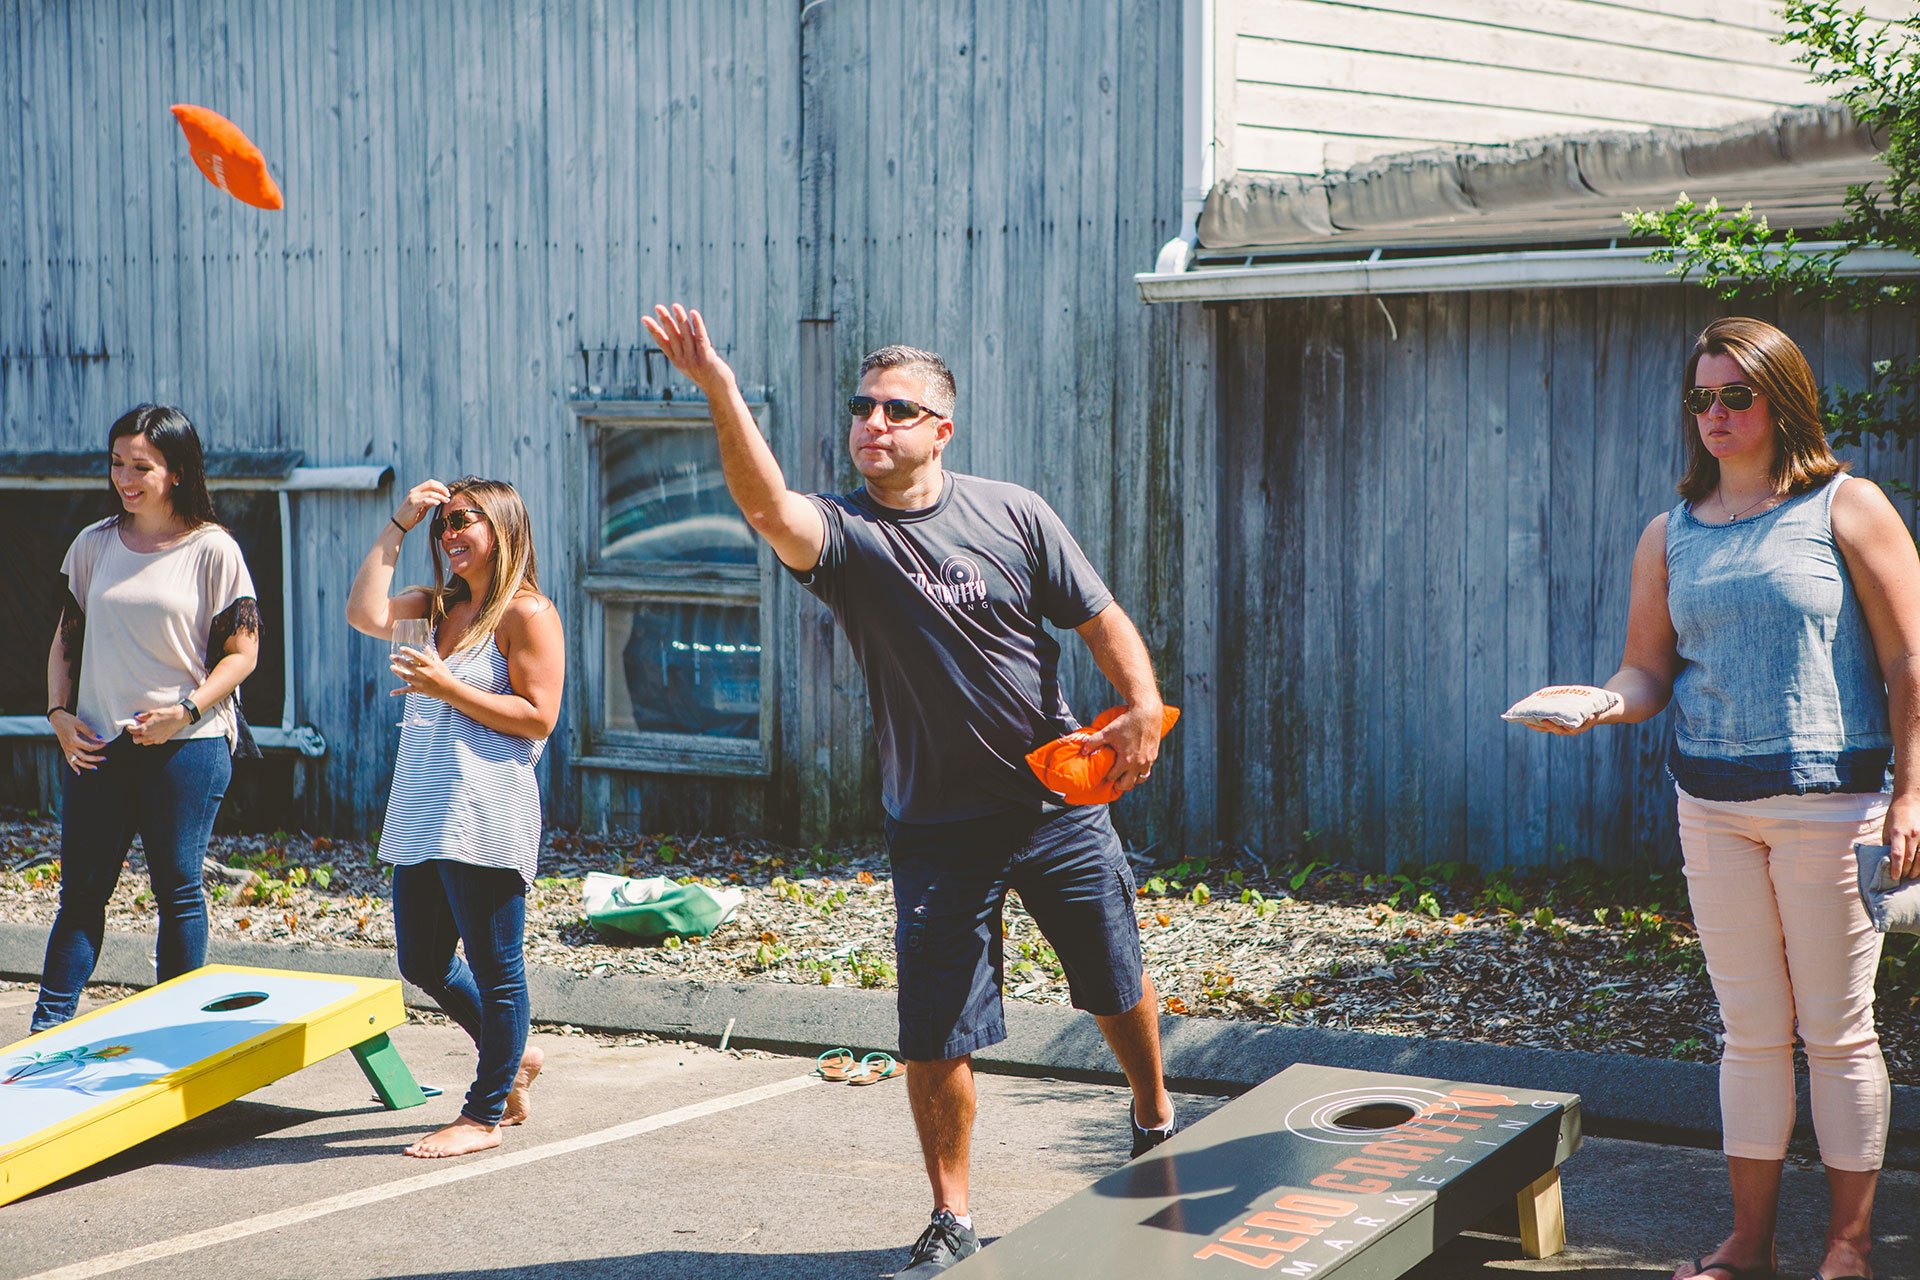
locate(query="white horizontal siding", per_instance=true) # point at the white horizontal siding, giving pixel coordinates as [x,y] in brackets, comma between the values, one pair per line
[1311,86]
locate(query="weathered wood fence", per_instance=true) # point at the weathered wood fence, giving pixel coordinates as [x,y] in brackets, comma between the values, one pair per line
[1429,511]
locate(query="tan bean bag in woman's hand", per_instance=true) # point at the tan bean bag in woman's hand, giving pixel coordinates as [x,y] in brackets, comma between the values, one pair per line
[1566,706]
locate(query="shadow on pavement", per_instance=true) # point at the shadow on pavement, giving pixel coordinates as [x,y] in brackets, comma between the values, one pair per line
[1101,1140]
[223,1139]
[679,1264]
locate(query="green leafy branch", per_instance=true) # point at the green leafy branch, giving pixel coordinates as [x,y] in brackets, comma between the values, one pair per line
[1874,69]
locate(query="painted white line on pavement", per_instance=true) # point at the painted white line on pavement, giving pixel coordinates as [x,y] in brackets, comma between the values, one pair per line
[108,1263]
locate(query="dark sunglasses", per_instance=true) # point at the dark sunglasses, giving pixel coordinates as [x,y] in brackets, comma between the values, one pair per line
[1735,395]
[897,411]
[456,521]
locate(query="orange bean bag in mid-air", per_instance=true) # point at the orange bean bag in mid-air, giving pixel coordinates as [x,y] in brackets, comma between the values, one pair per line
[228,158]
[1082,779]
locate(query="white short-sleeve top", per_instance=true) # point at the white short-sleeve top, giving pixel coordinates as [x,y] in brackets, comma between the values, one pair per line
[148,618]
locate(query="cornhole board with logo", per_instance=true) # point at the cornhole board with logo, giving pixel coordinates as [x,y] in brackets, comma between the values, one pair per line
[1318,1172]
[93,1087]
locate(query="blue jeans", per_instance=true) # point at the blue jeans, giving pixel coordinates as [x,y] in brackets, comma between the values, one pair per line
[439,902]
[167,794]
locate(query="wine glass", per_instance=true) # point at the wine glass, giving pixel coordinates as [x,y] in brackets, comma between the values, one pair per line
[410,633]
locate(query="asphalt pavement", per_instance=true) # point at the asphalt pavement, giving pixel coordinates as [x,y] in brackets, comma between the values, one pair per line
[677,1160]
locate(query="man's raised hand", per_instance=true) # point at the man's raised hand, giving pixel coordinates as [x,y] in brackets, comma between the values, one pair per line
[682,334]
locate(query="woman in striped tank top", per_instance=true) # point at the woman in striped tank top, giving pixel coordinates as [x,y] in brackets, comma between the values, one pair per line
[462,830]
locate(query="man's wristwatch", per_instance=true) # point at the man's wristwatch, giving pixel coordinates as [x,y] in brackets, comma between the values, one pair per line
[193,712]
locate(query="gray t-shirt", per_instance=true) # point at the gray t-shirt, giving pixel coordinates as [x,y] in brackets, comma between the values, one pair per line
[943,609]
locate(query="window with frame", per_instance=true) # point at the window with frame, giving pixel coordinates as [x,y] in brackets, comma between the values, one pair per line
[49,497]
[674,600]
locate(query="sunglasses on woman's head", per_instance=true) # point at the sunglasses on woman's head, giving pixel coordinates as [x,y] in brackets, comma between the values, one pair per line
[456,520]
[897,411]
[1735,395]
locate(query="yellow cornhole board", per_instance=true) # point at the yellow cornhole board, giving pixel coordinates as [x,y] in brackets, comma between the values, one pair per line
[93,1087]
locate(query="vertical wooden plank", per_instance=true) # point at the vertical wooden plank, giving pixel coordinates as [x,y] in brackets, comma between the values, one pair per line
[1048,317]
[1489,345]
[774,234]
[952,210]
[856,261]
[747,240]
[1618,518]
[1283,802]
[1105,316]
[79,326]
[16,306]
[992,198]
[1444,832]
[45,181]
[1530,496]
[1405,706]
[1323,417]
[807,718]
[16,255]
[1570,602]
[1145,482]
[1364,457]
[1660,349]
[1543,1224]
[1196,756]
[471,190]
[106,215]
[1243,685]
[718,128]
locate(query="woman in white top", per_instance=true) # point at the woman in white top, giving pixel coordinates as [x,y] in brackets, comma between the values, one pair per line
[159,628]
[462,829]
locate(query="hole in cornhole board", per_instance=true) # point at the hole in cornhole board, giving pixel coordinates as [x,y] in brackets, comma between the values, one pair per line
[1375,1115]
[238,1000]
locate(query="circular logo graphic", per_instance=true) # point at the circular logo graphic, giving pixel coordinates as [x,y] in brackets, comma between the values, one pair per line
[959,571]
[1355,1117]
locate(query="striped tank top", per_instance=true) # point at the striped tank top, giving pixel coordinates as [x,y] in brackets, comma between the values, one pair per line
[461,790]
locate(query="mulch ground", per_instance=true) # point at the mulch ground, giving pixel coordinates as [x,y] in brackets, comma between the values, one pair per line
[1576,961]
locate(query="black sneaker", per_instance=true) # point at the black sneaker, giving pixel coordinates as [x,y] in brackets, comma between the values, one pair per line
[942,1244]
[1145,1140]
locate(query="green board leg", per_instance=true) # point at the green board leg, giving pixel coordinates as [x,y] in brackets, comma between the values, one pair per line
[387,1071]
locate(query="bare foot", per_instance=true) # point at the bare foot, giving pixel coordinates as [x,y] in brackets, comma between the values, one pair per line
[461,1138]
[1844,1259]
[530,1063]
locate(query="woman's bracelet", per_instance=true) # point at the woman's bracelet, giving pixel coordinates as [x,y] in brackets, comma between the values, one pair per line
[404,531]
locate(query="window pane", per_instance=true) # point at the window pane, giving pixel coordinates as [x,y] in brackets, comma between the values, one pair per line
[666,500]
[680,667]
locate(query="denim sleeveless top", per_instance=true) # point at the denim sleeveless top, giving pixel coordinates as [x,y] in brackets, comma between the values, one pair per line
[1779,692]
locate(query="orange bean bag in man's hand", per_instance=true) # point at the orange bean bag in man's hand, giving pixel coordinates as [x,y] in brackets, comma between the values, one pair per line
[1083,779]
[230,161]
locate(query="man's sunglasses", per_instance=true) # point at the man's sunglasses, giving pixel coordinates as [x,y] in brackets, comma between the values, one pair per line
[897,411]
[1735,395]
[456,521]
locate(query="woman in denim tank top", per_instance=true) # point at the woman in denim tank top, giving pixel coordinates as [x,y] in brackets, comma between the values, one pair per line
[1778,607]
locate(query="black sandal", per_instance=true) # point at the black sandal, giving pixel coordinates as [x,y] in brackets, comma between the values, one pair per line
[1701,1267]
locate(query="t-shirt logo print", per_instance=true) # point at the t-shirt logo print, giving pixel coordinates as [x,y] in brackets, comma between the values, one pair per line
[960,583]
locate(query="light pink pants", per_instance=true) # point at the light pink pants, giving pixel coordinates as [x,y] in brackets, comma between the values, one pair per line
[1786,940]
